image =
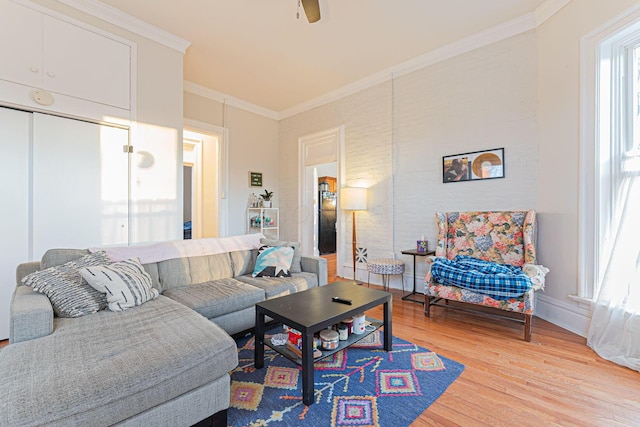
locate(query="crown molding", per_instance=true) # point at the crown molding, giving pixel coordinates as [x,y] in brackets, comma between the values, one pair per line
[522,24]
[500,32]
[123,20]
[547,9]
[223,98]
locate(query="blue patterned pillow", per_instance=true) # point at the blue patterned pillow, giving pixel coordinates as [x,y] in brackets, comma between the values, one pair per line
[273,261]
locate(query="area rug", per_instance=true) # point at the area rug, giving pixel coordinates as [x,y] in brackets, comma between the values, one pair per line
[362,385]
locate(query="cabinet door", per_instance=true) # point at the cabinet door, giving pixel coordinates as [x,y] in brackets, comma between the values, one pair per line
[80,184]
[20,44]
[83,64]
[14,204]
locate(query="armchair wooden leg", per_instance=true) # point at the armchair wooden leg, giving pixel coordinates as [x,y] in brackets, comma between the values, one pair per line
[527,327]
[427,305]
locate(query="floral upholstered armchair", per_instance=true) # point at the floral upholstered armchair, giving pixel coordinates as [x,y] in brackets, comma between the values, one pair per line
[506,237]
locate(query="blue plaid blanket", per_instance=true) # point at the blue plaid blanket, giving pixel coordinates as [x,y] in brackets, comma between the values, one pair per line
[499,281]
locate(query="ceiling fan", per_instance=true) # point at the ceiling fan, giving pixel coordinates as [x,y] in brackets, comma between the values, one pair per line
[311,9]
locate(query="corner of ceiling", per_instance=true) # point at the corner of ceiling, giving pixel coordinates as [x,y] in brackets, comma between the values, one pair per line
[123,20]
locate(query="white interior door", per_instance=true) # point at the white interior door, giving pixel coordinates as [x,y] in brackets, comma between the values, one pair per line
[80,184]
[14,211]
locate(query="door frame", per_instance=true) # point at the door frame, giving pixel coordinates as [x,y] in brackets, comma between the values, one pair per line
[223,168]
[315,149]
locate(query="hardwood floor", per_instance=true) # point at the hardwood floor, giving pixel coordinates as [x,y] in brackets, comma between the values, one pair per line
[553,380]
[331,266]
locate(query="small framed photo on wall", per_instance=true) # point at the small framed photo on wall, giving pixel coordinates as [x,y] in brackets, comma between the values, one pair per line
[255,179]
[487,164]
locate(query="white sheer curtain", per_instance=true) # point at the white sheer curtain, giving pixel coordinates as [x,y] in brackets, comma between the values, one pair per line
[615,323]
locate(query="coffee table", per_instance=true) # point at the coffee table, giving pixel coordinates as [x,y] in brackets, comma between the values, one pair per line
[311,311]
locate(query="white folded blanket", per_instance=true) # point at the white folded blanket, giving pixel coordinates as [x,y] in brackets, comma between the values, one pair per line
[161,251]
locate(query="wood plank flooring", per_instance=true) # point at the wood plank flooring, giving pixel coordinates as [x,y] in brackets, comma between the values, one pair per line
[555,380]
[331,266]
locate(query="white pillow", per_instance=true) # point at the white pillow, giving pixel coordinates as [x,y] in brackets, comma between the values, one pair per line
[125,283]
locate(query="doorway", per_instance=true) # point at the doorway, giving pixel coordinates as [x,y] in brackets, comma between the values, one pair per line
[202,192]
[319,156]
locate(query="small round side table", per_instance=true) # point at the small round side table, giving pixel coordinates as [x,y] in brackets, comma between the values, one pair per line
[385,267]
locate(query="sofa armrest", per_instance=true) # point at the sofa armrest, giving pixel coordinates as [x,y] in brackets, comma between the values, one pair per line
[317,265]
[31,315]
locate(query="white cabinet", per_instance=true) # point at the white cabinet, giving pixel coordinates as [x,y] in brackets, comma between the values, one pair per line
[42,51]
[14,205]
[265,221]
[80,184]
[63,183]
[20,44]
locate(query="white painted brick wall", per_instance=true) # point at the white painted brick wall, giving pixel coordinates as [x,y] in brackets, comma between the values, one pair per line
[480,100]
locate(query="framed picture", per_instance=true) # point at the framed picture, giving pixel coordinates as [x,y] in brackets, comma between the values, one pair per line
[255,179]
[472,166]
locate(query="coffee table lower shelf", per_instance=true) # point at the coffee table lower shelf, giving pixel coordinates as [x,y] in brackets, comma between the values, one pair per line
[352,339]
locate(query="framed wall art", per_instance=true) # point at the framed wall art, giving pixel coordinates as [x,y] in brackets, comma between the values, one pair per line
[255,179]
[487,164]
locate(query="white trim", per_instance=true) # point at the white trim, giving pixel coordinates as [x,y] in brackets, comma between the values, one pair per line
[130,23]
[223,169]
[522,24]
[547,9]
[571,317]
[591,52]
[335,137]
[492,35]
[196,180]
[205,92]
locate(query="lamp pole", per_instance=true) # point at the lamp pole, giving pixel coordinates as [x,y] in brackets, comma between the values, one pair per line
[353,245]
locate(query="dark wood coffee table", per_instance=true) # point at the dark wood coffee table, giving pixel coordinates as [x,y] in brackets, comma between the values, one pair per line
[311,311]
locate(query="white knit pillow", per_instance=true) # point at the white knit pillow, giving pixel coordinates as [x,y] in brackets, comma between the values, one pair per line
[125,283]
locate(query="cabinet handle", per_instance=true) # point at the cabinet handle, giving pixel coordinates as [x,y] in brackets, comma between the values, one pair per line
[34,69]
[51,74]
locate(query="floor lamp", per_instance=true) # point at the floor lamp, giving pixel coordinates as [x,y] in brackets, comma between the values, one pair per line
[353,199]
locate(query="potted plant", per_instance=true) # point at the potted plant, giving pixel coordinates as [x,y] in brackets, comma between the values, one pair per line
[266,198]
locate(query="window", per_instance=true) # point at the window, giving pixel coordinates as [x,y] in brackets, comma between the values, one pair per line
[610,135]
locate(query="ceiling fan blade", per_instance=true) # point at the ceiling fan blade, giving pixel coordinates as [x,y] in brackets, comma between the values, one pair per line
[312,10]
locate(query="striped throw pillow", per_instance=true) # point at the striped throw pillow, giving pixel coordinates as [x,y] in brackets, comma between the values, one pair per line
[125,283]
[69,293]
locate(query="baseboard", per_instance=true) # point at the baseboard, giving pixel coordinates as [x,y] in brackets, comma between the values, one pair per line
[569,316]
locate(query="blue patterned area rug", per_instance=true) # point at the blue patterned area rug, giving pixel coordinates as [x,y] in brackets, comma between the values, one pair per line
[362,385]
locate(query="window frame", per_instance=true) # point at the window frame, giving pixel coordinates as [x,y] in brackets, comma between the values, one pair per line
[606,115]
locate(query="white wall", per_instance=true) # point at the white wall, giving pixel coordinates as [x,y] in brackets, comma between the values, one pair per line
[253,146]
[558,188]
[481,100]
[522,93]
[367,160]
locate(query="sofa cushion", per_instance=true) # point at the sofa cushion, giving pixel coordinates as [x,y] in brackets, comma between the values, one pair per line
[296,266]
[109,366]
[215,298]
[54,257]
[69,293]
[243,261]
[280,286]
[126,284]
[193,270]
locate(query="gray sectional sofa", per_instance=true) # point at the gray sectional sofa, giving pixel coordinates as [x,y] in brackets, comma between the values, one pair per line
[163,363]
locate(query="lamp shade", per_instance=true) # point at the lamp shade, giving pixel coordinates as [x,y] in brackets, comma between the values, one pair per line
[353,199]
